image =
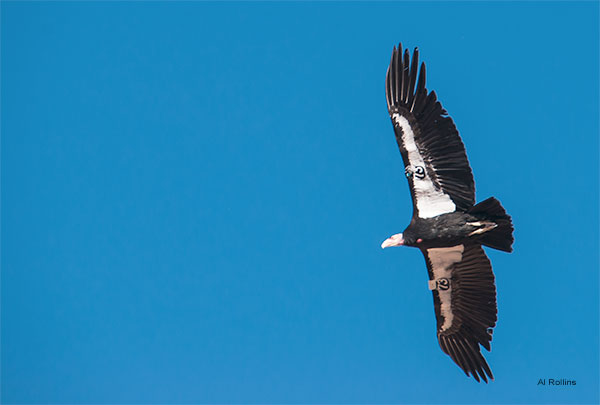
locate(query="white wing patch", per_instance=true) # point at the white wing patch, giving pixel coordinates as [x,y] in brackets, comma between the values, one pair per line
[442,261]
[430,201]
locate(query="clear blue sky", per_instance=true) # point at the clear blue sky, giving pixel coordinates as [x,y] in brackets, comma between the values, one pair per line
[194,197]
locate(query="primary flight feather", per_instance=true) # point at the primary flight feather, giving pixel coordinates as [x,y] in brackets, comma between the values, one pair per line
[446,225]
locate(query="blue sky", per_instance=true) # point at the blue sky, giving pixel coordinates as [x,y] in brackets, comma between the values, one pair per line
[194,195]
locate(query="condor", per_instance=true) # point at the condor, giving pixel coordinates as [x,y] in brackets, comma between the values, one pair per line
[447,226]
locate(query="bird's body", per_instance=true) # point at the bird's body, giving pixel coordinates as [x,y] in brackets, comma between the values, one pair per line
[450,229]
[447,226]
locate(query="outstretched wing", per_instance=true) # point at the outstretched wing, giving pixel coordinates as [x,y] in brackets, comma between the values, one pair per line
[434,156]
[464,297]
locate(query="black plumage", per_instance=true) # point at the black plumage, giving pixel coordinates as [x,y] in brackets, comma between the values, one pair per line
[446,226]
[435,131]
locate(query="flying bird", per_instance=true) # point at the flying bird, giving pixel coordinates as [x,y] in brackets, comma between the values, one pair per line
[447,226]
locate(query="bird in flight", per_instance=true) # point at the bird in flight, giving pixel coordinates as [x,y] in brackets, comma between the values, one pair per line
[447,226]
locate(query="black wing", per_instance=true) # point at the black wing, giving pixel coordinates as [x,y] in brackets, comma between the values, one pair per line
[434,156]
[464,297]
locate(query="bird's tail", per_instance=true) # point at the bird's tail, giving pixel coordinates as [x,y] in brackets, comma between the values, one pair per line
[501,237]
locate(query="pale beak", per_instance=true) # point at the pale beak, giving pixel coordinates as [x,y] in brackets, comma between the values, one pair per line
[394,240]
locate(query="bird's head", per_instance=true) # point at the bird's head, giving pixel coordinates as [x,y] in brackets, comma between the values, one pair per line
[394,240]
[407,238]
